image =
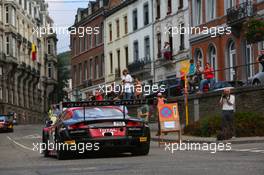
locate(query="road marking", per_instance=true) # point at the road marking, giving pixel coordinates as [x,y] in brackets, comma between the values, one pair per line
[253,150]
[19,144]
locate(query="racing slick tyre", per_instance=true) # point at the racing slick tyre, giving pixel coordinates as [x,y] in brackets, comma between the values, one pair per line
[45,142]
[62,155]
[141,150]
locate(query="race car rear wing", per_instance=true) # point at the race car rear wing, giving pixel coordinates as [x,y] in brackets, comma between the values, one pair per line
[123,103]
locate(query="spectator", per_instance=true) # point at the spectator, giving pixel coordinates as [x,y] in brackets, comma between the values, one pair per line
[98,96]
[227,103]
[260,60]
[209,78]
[138,89]
[127,83]
[198,72]
[167,51]
[191,75]
[160,101]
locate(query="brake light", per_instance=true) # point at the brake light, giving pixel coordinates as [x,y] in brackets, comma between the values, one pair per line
[134,124]
[78,126]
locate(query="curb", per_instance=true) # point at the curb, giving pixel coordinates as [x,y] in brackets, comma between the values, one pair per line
[204,141]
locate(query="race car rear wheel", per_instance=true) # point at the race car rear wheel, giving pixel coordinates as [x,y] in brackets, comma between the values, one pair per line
[142,149]
[62,155]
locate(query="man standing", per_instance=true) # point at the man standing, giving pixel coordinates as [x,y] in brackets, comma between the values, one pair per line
[260,60]
[227,103]
[127,83]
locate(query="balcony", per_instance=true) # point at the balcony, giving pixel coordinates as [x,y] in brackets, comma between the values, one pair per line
[140,66]
[87,83]
[238,14]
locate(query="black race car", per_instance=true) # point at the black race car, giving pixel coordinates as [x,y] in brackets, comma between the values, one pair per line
[102,128]
[6,123]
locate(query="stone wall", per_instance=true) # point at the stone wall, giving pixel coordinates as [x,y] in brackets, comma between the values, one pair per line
[248,99]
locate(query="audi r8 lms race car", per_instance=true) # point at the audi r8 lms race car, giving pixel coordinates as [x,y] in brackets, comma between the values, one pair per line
[86,127]
[6,123]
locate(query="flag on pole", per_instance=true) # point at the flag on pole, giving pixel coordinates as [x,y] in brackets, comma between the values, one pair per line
[34,52]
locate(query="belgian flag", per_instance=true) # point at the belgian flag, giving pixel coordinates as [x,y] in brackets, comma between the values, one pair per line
[34,52]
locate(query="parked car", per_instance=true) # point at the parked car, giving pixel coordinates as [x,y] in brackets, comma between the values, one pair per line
[6,123]
[257,79]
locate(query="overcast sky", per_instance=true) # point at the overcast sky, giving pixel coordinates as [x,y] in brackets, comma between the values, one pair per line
[63,15]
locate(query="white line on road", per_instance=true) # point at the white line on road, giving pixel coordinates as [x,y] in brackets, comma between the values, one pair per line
[253,150]
[19,144]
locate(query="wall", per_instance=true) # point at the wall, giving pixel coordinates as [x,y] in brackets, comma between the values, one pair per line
[248,99]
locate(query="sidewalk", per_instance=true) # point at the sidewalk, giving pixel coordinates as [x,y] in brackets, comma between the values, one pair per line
[171,137]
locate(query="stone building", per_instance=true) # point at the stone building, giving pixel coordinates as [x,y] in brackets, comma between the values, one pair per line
[26,82]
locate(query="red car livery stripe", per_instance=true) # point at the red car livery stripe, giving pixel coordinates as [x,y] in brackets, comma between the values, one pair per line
[106,132]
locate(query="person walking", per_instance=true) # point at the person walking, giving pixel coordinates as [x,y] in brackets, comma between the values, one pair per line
[127,83]
[227,103]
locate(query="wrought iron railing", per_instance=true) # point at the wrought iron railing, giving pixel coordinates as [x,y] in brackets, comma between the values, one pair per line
[138,65]
[240,12]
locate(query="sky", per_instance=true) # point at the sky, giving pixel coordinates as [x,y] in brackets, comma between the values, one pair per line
[63,14]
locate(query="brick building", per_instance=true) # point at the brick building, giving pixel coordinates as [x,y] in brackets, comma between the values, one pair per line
[228,50]
[87,51]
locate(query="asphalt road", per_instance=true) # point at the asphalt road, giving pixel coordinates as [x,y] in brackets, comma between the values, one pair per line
[17,157]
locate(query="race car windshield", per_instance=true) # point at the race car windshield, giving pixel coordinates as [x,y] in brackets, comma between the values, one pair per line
[2,118]
[98,112]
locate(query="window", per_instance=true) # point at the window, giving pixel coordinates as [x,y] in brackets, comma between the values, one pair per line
[110,32]
[118,62]
[80,45]
[135,21]
[85,70]
[117,28]
[49,47]
[102,33]
[249,60]
[197,12]
[25,4]
[198,56]
[7,45]
[49,70]
[84,42]
[90,41]
[91,69]
[73,46]
[232,60]
[180,4]
[1,17]
[169,7]
[96,68]
[146,14]
[210,9]
[30,8]
[126,55]
[212,57]
[14,46]
[1,70]
[147,48]
[126,26]
[182,38]
[80,73]
[159,44]
[1,93]
[7,15]
[75,74]
[136,56]
[157,9]
[102,66]
[111,62]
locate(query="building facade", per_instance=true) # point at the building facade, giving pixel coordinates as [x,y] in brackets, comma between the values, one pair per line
[27,81]
[170,16]
[87,50]
[230,53]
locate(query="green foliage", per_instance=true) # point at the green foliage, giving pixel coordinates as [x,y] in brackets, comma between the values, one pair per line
[63,74]
[254,30]
[246,124]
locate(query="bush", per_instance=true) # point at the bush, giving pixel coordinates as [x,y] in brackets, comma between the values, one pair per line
[246,124]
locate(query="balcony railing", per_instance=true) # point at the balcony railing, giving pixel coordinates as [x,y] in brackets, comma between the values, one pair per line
[239,13]
[139,65]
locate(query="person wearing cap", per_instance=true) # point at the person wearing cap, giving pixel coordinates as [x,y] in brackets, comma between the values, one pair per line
[227,103]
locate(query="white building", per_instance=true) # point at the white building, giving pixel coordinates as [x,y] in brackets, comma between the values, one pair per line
[173,15]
